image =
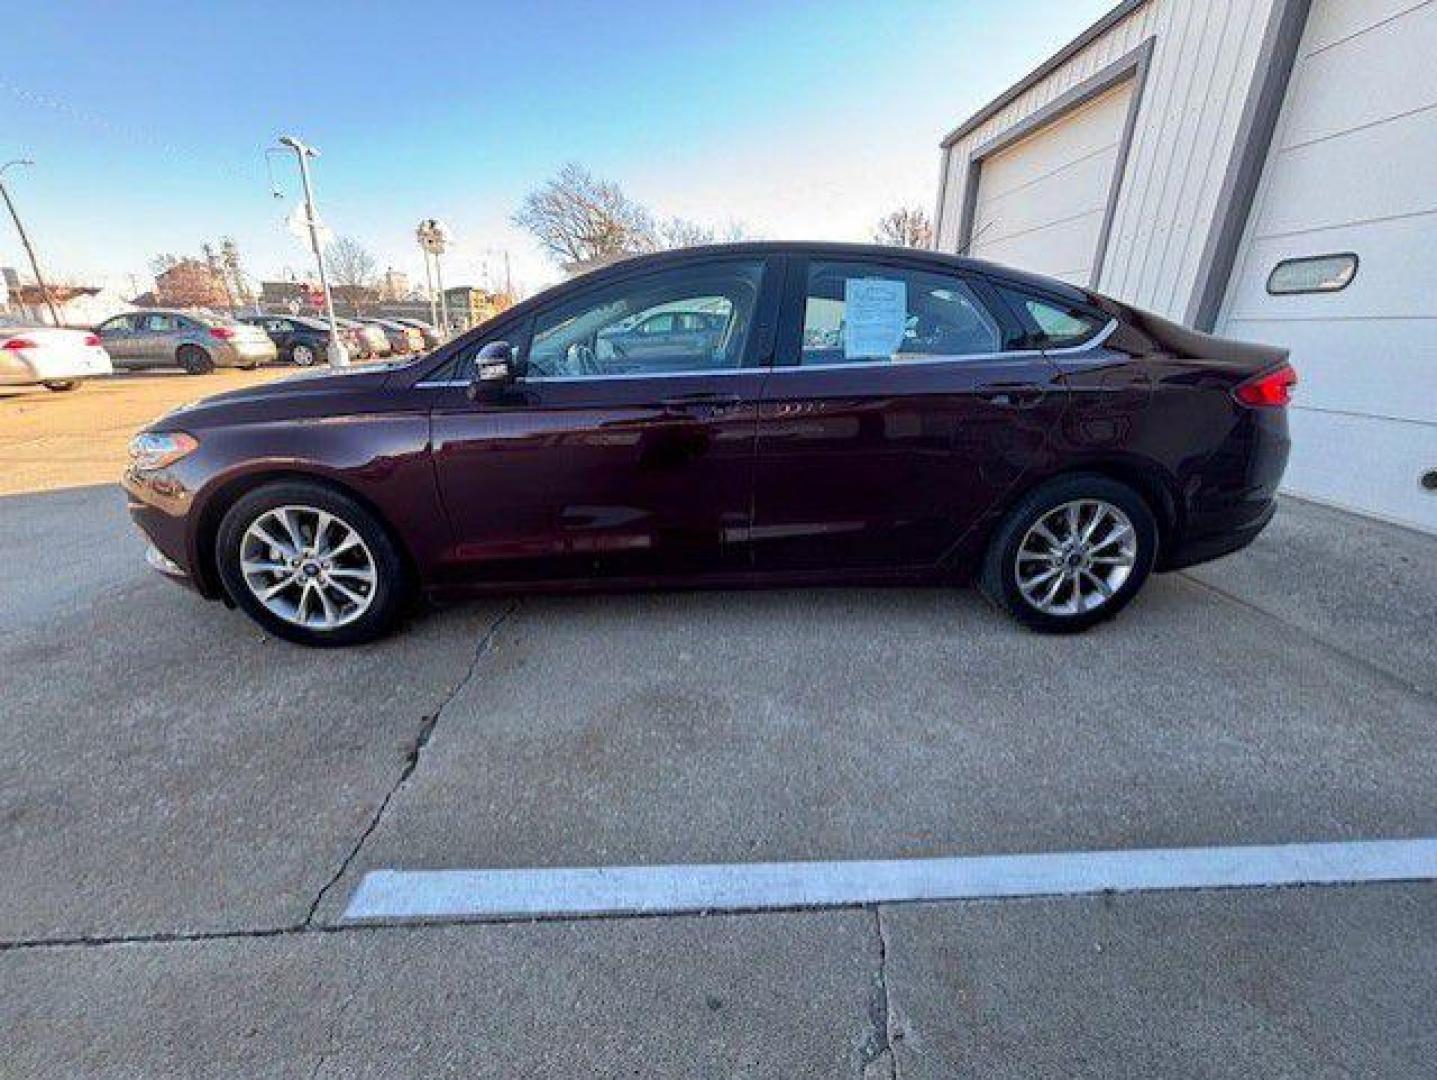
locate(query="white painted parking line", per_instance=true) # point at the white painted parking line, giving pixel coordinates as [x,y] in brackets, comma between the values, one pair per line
[649,890]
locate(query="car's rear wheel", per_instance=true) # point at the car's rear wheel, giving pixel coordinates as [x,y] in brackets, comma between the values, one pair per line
[194,360]
[311,564]
[1072,553]
[61,385]
[303,355]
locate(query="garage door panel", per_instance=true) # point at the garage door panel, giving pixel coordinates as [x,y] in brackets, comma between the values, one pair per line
[1080,189]
[1383,478]
[1382,72]
[1332,21]
[1040,203]
[1395,278]
[1352,169]
[1331,183]
[1357,365]
[1049,247]
[1077,135]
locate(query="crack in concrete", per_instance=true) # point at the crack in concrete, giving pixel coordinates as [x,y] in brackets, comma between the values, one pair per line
[183,937]
[411,759]
[880,1058]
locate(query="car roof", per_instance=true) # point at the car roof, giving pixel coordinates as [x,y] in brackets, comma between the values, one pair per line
[625,266]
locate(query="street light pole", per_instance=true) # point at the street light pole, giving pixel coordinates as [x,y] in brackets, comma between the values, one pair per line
[433,237]
[25,239]
[338,355]
[443,299]
[429,288]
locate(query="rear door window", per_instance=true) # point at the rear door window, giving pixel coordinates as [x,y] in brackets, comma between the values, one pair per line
[868,312]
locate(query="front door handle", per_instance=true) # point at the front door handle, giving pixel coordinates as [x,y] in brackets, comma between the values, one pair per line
[705,401]
[1012,395]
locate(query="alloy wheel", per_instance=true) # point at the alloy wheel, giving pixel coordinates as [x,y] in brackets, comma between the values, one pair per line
[302,355]
[308,566]
[1076,557]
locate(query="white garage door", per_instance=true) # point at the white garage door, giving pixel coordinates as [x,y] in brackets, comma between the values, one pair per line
[1041,201]
[1353,169]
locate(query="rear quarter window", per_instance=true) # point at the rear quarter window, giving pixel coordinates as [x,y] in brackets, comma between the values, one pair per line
[1050,323]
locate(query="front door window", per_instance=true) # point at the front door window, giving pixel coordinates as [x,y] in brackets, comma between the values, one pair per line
[696,320]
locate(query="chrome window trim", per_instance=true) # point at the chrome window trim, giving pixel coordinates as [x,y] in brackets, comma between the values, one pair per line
[1009,354]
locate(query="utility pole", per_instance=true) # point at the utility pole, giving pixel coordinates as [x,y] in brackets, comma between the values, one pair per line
[429,236]
[434,239]
[338,355]
[429,289]
[25,239]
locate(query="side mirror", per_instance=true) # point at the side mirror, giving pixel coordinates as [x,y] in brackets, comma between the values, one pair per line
[493,371]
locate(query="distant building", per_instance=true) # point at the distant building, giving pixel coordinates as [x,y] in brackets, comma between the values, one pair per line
[469,305]
[280,294]
[77,305]
[394,285]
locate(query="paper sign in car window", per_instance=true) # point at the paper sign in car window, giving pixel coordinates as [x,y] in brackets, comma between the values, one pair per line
[875,310]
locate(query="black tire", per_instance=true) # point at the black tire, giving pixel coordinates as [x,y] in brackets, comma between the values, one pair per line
[303,355]
[194,360]
[392,585]
[998,577]
[61,385]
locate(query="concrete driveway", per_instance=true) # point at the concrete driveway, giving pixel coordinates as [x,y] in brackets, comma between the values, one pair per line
[187,809]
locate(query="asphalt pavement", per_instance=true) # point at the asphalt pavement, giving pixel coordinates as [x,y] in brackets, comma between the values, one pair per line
[186,807]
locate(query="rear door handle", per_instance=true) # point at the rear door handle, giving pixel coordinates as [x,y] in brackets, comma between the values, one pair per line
[1012,395]
[705,400]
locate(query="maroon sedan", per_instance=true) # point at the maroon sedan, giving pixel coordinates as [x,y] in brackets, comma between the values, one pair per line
[846,414]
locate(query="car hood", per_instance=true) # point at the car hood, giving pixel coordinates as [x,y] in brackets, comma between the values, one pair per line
[305,393]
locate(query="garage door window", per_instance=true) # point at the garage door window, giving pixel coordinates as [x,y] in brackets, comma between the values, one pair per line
[1314,274]
[865,312]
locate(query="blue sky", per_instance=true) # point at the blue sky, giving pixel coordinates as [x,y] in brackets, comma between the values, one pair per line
[148,121]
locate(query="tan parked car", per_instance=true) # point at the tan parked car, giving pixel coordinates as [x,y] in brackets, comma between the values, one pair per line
[198,342]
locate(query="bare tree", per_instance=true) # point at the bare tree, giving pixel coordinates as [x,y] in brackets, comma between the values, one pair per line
[353,271]
[160,263]
[579,218]
[230,258]
[679,232]
[908,226]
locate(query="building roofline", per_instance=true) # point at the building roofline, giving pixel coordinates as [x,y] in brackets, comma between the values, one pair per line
[1043,70]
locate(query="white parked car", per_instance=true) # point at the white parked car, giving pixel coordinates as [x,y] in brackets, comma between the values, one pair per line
[45,356]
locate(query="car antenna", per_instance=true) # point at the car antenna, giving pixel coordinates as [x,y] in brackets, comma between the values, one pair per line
[975,237]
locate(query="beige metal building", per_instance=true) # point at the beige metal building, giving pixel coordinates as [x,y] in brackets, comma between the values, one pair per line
[1263,168]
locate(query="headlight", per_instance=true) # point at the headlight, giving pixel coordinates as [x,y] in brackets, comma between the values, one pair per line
[150,450]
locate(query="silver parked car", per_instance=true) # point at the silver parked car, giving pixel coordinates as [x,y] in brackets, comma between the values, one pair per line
[198,342]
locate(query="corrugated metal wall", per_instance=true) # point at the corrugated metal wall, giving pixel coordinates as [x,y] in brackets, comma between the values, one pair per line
[1203,65]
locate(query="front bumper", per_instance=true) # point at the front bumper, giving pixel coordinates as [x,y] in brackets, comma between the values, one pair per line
[159,505]
[163,564]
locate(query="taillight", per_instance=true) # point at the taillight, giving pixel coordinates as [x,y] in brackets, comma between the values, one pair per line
[92,339]
[1268,390]
[15,344]
[224,333]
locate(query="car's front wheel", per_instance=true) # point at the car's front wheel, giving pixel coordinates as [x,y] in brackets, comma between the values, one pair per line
[1072,553]
[311,565]
[303,355]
